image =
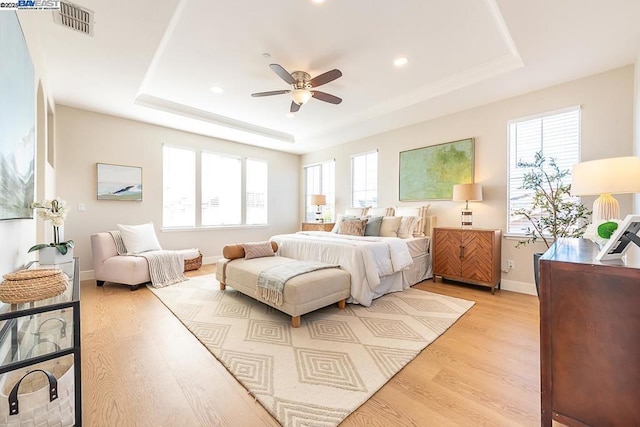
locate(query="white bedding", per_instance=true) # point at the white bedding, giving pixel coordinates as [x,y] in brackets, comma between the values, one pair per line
[418,246]
[367,259]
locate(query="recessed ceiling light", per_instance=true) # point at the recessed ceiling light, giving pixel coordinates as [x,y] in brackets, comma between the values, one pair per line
[216,89]
[400,62]
[318,1]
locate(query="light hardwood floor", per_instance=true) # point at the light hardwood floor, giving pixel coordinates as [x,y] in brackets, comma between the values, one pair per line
[141,367]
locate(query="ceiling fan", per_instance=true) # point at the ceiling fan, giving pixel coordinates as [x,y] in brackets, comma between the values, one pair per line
[302,86]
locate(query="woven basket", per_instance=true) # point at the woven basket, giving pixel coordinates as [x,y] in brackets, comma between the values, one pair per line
[32,285]
[193,264]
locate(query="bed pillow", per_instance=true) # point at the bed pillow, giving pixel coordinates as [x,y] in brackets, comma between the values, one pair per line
[139,238]
[353,227]
[417,211]
[356,211]
[380,211]
[341,217]
[407,224]
[390,225]
[257,250]
[373,226]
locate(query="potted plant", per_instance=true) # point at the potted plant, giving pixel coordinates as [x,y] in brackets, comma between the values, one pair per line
[56,252]
[553,212]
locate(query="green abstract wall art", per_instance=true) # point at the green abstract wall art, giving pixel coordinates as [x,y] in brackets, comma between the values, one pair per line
[429,173]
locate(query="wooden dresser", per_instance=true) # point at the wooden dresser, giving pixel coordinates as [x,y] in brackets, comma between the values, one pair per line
[589,336]
[467,255]
[317,226]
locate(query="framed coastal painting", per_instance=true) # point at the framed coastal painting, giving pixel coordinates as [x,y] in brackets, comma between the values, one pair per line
[429,173]
[17,121]
[116,182]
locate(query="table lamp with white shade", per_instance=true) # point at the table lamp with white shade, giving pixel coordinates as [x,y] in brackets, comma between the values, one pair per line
[467,193]
[604,177]
[318,200]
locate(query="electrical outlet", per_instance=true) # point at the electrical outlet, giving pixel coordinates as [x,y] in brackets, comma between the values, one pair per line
[511,264]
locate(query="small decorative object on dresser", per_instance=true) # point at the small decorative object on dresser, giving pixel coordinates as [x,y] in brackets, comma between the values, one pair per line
[317,226]
[471,256]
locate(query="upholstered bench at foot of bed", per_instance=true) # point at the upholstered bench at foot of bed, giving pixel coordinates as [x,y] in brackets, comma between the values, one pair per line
[302,294]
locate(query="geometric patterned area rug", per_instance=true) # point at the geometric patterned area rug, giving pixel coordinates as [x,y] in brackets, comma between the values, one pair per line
[315,375]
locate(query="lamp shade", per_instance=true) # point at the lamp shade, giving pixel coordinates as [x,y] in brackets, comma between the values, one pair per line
[467,193]
[615,175]
[318,199]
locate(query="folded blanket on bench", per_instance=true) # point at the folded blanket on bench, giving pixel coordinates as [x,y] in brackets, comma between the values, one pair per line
[165,267]
[271,280]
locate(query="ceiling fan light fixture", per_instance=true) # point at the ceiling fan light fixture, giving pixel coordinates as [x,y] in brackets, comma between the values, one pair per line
[301,96]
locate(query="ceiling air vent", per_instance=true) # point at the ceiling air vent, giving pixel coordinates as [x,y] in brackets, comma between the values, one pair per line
[75,17]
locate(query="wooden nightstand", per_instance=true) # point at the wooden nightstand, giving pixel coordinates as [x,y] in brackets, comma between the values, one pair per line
[317,226]
[467,255]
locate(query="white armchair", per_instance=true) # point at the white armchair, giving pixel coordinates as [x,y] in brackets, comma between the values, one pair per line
[108,266]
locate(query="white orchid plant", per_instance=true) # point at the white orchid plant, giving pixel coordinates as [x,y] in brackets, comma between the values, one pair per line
[56,211]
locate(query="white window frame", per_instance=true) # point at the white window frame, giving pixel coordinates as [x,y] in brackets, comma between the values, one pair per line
[516,227]
[325,185]
[194,210]
[197,167]
[366,189]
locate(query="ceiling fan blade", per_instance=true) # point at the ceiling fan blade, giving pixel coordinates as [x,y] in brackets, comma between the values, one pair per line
[325,78]
[326,97]
[273,92]
[294,107]
[284,74]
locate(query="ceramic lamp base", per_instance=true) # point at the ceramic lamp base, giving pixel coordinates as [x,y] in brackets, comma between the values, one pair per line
[51,255]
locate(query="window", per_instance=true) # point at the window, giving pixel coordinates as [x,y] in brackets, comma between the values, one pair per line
[179,187]
[364,180]
[215,182]
[556,135]
[221,189]
[320,179]
[256,194]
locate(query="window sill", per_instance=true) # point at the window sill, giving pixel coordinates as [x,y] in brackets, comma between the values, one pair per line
[213,228]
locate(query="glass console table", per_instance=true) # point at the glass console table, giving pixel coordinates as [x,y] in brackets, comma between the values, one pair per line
[44,334]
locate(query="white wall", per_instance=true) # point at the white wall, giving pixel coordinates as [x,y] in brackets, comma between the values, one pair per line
[607,131]
[85,138]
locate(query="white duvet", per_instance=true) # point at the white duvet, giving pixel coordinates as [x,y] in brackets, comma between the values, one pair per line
[365,258]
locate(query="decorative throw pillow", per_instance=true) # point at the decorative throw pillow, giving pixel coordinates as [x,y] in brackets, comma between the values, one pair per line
[373,226]
[418,211]
[257,250]
[405,231]
[341,217]
[390,225]
[139,238]
[353,227]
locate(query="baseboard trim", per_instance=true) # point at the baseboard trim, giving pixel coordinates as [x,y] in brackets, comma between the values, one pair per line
[521,287]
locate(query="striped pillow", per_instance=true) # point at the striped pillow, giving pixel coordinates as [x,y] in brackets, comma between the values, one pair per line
[257,250]
[353,227]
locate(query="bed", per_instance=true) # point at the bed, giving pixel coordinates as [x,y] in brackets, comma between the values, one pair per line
[377,265]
